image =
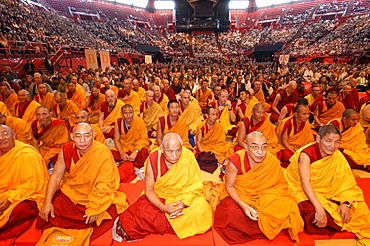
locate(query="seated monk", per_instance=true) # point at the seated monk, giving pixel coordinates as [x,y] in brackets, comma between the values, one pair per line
[3,109]
[26,107]
[225,113]
[329,109]
[211,138]
[64,109]
[203,94]
[22,185]
[140,91]
[49,135]
[106,86]
[172,122]
[346,97]
[321,182]
[131,142]
[20,128]
[109,113]
[288,110]
[94,102]
[285,96]
[294,133]
[353,142]
[365,120]
[128,96]
[9,98]
[174,201]
[255,202]
[245,104]
[150,112]
[44,98]
[83,116]
[89,182]
[259,95]
[76,96]
[259,121]
[160,98]
[167,90]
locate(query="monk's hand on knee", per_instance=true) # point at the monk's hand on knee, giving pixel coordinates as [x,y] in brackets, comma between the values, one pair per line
[4,204]
[90,219]
[345,213]
[175,209]
[47,209]
[251,212]
[320,218]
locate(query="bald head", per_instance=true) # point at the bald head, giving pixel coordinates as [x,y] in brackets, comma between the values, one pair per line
[82,116]
[7,139]
[366,113]
[23,96]
[253,136]
[292,85]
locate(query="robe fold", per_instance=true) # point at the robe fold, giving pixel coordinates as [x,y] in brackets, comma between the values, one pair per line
[248,110]
[192,115]
[333,183]
[10,103]
[162,101]
[69,111]
[21,129]
[224,117]
[93,107]
[111,116]
[260,96]
[134,101]
[151,115]
[3,109]
[180,128]
[203,97]
[327,114]
[27,112]
[47,100]
[79,98]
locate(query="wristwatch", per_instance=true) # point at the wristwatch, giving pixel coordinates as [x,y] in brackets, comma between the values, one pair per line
[347,204]
[136,150]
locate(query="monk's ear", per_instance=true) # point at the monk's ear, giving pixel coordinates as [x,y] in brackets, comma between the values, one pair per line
[94,134]
[71,136]
[318,138]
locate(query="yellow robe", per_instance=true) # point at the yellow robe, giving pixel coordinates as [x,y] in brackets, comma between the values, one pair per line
[93,107]
[202,97]
[29,115]
[99,136]
[141,92]
[23,177]
[362,121]
[114,114]
[249,111]
[151,116]
[163,103]
[184,182]
[136,137]
[261,98]
[334,112]
[332,180]
[134,102]
[265,188]
[192,115]
[225,118]
[69,111]
[3,109]
[10,103]
[180,128]
[47,100]
[79,98]
[93,181]
[215,141]
[21,129]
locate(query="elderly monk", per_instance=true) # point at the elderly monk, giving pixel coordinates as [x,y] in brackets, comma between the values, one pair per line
[353,142]
[9,98]
[172,122]
[89,182]
[94,102]
[321,182]
[160,98]
[21,129]
[76,96]
[140,91]
[226,113]
[44,98]
[313,99]
[3,109]
[132,143]
[259,95]
[109,113]
[83,116]
[64,109]
[346,97]
[285,96]
[245,104]
[173,201]
[26,107]
[190,111]
[329,109]
[203,94]
[259,121]
[49,135]
[128,96]
[211,138]
[294,133]
[255,200]
[22,185]
[150,112]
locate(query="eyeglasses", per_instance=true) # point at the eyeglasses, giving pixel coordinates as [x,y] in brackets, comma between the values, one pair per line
[256,147]
[79,137]
[5,134]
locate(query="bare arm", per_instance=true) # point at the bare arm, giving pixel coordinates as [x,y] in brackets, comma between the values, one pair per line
[316,116]
[241,134]
[239,112]
[199,141]
[276,101]
[284,141]
[282,115]
[101,119]
[232,115]
[159,133]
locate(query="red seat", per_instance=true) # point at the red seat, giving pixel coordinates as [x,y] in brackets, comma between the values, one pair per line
[132,191]
[104,240]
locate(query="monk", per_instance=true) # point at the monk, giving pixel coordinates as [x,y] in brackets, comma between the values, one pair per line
[321,182]
[83,116]
[172,122]
[22,185]
[160,98]
[64,109]
[94,102]
[190,111]
[226,113]
[76,96]
[128,96]
[329,109]
[245,104]
[3,109]
[49,135]
[353,142]
[203,94]
[106,86]
[26,107]
[22,130]
[131,143]
[9,98]
[89,182]
[109,113]
[285,96]
[44,98]
[346,97]
[167,90]
[294,133]
[260,122]
[255,200]
[354,92]
[259,94]
[140,91]
[288,110]
[150,112]
[173,201]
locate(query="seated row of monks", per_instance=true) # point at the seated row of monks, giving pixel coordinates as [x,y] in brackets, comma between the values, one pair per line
[318,192]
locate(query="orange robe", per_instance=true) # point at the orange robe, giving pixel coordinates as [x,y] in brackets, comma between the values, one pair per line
[151,115]
[333,183]
[180,128]
[224,117]
[111,116]
[261,98]
[79,98]
[193,116]
[21,129]
[265,189]
[51,138]
[327,114]
[3,109]
[134,101]
[24,177]
[203,97]
[47,100]
[10,103]
[162,101]
[93,107]
[69,111]
[141,92]
[27,112]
